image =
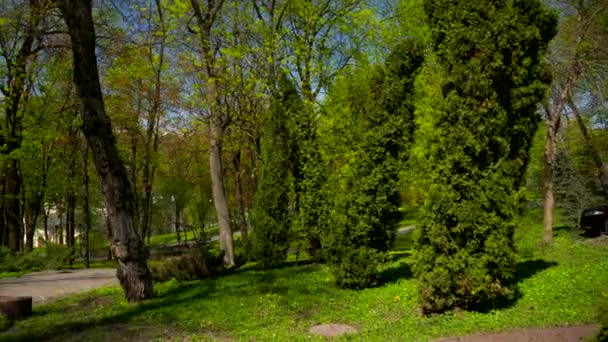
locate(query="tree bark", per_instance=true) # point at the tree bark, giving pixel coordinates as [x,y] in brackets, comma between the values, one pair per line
[219,199]
[602,170]
[127,246]
[86,211]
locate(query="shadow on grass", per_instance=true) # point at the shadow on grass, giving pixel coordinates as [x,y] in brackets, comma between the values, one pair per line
[85,321]
[523,270]
[527,269]
[392,274]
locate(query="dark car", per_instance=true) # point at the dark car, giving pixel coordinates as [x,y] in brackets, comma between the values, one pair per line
[595,219]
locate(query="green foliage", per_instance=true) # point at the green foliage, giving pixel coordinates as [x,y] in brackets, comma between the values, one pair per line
[365,216]
[270,218]
[492,56]
[311,198]
[5,322]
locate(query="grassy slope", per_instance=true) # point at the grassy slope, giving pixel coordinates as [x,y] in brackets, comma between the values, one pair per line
[560,285]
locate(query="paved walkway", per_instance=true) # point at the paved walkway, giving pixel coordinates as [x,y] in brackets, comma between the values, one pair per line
[46,285]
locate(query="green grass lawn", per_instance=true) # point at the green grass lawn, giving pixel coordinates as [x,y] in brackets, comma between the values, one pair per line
[560,285]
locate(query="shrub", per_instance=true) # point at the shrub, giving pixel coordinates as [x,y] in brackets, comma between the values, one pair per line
[195,264]
[52,256]
[5,322]
[358,268]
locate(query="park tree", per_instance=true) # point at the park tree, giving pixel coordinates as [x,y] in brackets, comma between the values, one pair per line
[577,61]
[271,219]
[492,55]
[205,20]
[20,42]
[127,246]
[364,220]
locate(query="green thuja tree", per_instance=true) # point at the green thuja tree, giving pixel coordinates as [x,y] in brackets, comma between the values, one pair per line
[491,53]
[363,223]
[271,219]
[309,180]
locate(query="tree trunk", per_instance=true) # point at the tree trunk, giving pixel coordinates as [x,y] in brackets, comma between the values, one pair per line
[205,22]
[86,211]
[12,205]
[553,119]
[152,128]
[549,162]
[127,246]
[12,127]
[602,170]
[240,206]
[70,224]
[109,227]
[46,225]
[133,173]
[219,199]
[30,228]
[177,225]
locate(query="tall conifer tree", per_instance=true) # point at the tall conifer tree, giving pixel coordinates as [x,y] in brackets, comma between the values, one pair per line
[363,224]
[271,219]
[491,52]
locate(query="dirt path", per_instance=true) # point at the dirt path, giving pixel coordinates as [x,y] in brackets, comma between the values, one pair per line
[46,285]
[558,334]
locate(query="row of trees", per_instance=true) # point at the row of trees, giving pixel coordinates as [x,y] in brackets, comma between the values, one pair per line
[304,124]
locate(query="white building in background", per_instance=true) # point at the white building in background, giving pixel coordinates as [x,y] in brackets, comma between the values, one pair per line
[53,223]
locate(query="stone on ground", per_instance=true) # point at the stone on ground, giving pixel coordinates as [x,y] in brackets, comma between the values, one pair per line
[332,330]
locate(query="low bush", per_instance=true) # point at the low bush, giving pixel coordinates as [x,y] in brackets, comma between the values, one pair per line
[358,268]
[50,257]
[196,264]
[5,322]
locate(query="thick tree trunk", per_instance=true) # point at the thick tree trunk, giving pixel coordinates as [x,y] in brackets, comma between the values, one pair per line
[127,246]
[86,211]
[602,170]
[219,199]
